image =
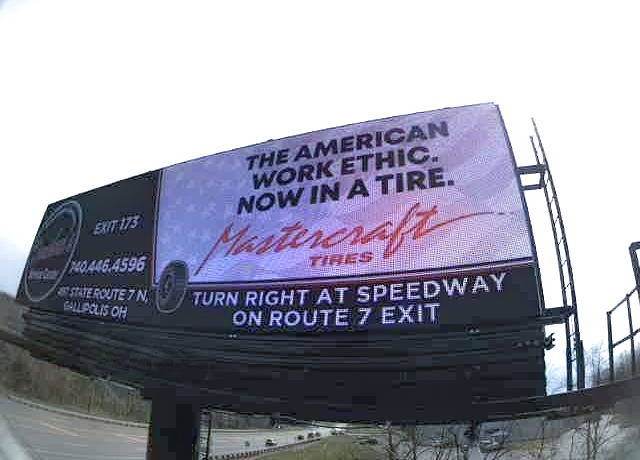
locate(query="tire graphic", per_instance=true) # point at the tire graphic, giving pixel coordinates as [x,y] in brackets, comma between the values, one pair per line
[172,287]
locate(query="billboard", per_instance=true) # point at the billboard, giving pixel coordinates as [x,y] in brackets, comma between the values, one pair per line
[408,223]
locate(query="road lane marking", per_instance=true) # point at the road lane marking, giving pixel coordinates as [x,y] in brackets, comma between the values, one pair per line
[136,440]
[20,417]
[38,428]
[59,430]
[28,426]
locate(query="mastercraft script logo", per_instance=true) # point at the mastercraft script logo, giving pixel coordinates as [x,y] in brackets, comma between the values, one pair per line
[52,251]
[415,225]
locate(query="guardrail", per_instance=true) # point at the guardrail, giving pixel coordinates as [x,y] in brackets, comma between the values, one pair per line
[70,413]
[630,337]
[258,452]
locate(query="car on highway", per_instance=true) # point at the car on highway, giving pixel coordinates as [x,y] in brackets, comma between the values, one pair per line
[371,441]
[488,445]
[300,437]
[493,440]
[270,443]
[443,441]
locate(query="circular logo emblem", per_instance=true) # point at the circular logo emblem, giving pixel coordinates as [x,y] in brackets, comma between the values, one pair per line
[172,287]
[52,251]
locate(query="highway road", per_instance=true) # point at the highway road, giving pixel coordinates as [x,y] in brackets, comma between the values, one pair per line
[48,435]
[226,441]
[53,436]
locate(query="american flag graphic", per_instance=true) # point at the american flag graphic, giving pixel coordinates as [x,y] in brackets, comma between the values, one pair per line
[199,199]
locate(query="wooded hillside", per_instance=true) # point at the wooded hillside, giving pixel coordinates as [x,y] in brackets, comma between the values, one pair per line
[58,386]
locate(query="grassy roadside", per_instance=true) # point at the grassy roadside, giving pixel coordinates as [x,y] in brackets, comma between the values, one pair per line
[330,448]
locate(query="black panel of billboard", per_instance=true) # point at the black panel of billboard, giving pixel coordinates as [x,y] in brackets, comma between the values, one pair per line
[331,376]
[112,225]
[407,226]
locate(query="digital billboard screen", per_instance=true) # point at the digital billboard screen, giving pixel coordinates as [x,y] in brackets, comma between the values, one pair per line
[407,223]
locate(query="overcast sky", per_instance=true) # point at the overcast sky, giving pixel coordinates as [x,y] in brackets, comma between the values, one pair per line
[92,92]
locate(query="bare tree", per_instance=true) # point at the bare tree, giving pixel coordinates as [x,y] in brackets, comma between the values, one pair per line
[412,443]
[496,454]
[461,444]
[556,378]
[623,368]
[545,444]
[449,443]
[501,443]
[405,444]
[597,431]
[394,440]
[594,361]
[440,448]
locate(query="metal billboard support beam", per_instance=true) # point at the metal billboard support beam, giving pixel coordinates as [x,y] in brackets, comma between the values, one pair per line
[209,422]
[174,428]
[569,307]
[610,342]
[633,247]
[630,337]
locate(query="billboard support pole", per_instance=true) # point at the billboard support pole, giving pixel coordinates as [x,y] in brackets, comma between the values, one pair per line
[209,423]
[174,428]
[567,332]
[471,435]
[633,347]
[610,340]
